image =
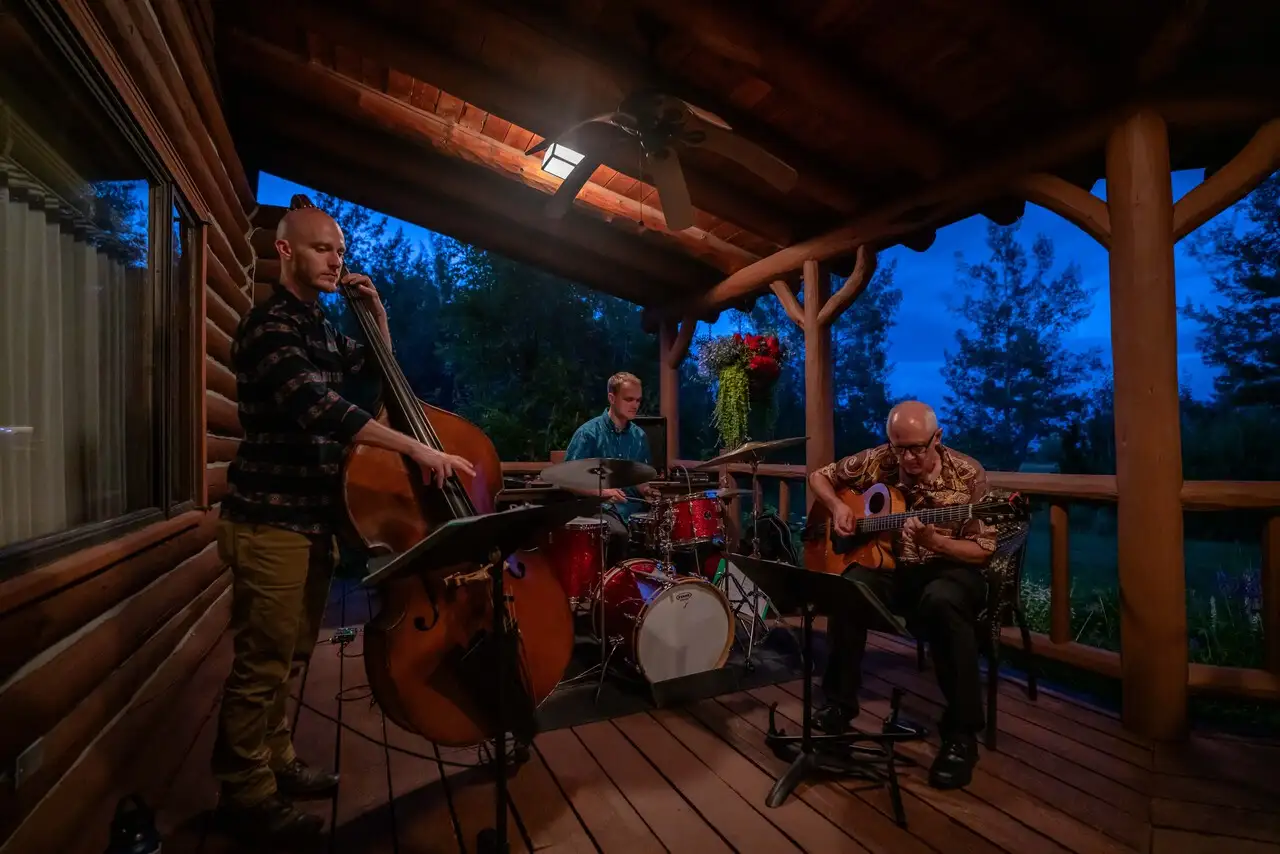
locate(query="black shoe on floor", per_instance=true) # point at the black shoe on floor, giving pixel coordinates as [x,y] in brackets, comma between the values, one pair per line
[834,719]
[300,781]
[953,767]
[274,820]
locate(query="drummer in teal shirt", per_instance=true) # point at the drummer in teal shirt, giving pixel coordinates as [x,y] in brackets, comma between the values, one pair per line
[613,435]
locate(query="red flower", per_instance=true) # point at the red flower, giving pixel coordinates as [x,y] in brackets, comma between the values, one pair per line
[763,366]
[737,337]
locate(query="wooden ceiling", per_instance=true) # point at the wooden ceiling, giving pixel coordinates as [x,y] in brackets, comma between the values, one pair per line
[423,110]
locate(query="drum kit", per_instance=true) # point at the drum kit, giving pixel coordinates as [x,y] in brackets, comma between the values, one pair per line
[670,608]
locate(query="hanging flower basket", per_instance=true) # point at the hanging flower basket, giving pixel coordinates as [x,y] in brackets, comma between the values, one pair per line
[744,370]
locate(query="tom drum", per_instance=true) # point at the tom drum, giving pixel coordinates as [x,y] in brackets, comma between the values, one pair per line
[696,519]
[577,553]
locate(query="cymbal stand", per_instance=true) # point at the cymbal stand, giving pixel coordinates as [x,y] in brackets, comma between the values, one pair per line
[754,596]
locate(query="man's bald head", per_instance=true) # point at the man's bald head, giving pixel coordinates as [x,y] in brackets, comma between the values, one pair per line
[912,427]
[913,417]
[311,248]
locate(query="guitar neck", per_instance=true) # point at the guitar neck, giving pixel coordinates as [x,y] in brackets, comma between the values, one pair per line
[932,516]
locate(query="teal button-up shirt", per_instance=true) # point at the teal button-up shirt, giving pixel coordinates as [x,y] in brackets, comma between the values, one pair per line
[600,437]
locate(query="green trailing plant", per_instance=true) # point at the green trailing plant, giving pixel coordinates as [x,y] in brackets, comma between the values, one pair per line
[743,369]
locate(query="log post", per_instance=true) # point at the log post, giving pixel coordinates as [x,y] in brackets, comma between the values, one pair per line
[815,318]
[674,338]
[1153,622]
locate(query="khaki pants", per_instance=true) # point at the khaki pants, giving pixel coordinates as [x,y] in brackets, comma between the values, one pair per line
[281,587]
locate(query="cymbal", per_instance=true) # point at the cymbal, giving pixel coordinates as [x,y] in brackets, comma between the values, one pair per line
[598,473]
[752,451]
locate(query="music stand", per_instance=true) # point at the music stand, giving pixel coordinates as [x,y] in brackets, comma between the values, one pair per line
[487,539]
[811,593]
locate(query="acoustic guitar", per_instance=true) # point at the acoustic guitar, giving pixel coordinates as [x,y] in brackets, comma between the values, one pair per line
[879,514]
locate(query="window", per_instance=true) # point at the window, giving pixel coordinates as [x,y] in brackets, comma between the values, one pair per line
[97,276]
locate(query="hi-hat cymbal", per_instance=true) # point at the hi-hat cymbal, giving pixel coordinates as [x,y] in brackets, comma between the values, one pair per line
[598,473]
[752,451]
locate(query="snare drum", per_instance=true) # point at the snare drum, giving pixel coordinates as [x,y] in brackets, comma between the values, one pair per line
[696,519]
[668,626]
[643,531]
[576,553]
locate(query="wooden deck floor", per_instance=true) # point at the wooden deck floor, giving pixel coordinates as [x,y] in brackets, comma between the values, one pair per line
[1066,778]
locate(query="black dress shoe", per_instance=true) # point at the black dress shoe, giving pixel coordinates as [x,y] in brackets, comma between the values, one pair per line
[834,719]
[953,767]
[274,820]
[298,780]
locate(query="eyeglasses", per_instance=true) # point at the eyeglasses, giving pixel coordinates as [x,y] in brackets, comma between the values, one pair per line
[916,451]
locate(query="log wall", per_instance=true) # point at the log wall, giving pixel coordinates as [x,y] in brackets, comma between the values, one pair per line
[94,645]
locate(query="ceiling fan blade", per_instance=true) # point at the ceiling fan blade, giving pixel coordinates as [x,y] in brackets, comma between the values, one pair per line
[562,199]
[706,116]
[603,118]
[751,156]
[668,177]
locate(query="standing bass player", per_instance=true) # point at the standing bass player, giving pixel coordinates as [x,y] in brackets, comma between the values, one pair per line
[279,518]
[938,582]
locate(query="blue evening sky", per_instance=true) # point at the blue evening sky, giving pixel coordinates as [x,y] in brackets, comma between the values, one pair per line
[926,327]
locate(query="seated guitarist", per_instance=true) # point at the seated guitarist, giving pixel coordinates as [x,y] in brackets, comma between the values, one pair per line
[938,584]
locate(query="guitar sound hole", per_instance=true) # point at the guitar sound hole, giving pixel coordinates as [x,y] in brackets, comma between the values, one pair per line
[876,504]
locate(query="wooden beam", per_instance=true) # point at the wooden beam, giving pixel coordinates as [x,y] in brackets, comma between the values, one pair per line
[224,418]
[912,211]
[33,703]
[643,264]
[325,87]
[219,378]
[741,34]
[1074,204]
[137,31]
[819,409]
[56,822]
[220,449]
[790,304]
[35,626]
[853,286]
[416,202]
[673,346]
[1144,342]
[393,43]
[595,60]
[216,342]
[47,580]
[187,54]
[1257,160]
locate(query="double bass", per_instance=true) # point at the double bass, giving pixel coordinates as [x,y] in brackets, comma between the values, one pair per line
[419,647]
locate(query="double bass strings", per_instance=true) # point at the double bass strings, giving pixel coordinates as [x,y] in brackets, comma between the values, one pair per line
[458,499]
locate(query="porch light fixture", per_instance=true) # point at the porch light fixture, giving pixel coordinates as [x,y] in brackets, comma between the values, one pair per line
[559,160]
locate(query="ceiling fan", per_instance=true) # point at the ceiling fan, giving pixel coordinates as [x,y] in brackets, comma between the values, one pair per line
[662,125]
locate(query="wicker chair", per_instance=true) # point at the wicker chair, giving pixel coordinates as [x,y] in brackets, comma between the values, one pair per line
[1003,608]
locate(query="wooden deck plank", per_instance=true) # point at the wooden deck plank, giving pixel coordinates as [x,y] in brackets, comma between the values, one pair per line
[606,814]
[674,821]
[1065,780]
[931,826]
[1053,791]
[715,800]
[801,824]
[363,817]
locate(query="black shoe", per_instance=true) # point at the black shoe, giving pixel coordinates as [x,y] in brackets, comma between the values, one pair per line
[834,719]
[953,767]
[274,820]
[298,780]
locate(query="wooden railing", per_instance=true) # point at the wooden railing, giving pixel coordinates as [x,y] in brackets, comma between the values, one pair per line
[1060,489]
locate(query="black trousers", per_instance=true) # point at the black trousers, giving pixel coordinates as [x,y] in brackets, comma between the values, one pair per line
[941,602]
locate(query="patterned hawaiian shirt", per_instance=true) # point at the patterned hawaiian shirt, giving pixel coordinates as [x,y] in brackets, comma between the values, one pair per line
[960,480]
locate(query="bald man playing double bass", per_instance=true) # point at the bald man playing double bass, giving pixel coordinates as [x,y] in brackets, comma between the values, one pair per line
[280,516]
[938,583]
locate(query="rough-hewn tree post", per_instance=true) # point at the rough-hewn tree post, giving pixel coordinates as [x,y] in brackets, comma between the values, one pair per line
[1144,345]
[673,345]
[815,318]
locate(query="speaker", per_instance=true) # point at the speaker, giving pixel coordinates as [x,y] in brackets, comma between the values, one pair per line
[655,428]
